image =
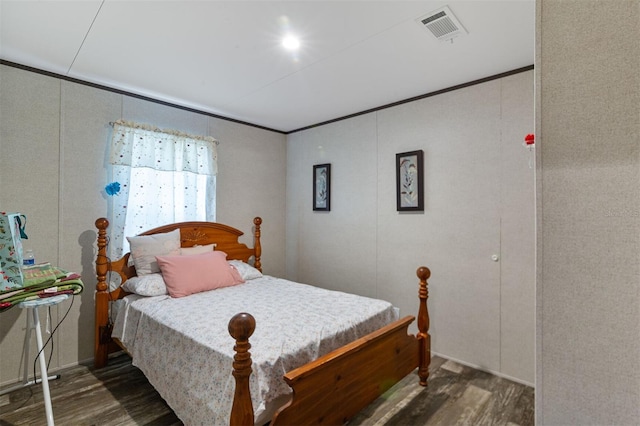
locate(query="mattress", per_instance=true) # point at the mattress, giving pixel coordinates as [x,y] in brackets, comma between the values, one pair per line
[183,346]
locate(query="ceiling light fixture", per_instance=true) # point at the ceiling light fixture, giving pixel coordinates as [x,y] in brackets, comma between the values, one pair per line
[290,42]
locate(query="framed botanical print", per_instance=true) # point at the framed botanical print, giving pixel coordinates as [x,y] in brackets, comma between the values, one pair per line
[409,181]
[322,187]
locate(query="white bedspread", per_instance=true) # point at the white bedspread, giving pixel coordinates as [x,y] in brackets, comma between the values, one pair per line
[184,348]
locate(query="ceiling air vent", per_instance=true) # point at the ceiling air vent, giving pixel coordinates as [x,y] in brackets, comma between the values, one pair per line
[443,24]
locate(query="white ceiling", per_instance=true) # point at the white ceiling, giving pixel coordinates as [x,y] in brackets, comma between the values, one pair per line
[225,57]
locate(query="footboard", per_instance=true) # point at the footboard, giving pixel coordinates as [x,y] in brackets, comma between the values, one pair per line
[337,386]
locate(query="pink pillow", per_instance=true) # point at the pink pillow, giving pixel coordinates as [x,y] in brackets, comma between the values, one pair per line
[185,275]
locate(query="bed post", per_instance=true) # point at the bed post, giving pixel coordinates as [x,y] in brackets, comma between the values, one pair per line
[423,326]
[101,346]
[241,327]
[256,244]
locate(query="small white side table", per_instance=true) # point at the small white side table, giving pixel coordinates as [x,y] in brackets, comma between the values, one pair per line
[33,323]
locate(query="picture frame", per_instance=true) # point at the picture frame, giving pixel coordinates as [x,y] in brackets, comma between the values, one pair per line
[409,181]
[322,187]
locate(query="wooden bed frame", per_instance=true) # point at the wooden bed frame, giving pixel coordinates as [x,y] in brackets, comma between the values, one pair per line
[329,390]
[191,234]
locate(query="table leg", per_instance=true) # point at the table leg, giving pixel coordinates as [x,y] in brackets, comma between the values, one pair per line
[43,369]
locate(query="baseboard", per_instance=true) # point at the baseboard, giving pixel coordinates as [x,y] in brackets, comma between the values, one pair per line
[52,370]
[478,367]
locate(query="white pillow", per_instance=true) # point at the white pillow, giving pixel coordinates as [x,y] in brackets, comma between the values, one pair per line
[247,272]
[145,248]
[188,251]
[146,285]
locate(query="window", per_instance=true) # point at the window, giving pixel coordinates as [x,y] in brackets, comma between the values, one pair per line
[165,177]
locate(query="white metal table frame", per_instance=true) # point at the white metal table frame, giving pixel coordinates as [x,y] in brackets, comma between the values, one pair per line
[33,323]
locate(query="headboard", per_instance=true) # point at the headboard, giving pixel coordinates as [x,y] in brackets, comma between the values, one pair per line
[191,233]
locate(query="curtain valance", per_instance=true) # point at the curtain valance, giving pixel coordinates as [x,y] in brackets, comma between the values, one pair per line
[140,145]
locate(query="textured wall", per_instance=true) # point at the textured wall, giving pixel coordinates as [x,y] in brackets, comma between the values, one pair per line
[479,201]
[54,141]
[588,125]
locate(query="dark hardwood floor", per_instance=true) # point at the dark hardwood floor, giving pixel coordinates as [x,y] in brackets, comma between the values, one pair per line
[120,395]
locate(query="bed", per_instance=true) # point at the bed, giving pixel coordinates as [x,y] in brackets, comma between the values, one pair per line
[318,365]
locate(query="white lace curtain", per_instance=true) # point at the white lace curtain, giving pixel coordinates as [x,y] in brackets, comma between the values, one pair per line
[165,176]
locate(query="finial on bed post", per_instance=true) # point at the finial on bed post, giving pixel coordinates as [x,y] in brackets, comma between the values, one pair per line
[102,295]
[423,274]
[241,327]
[256,234]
